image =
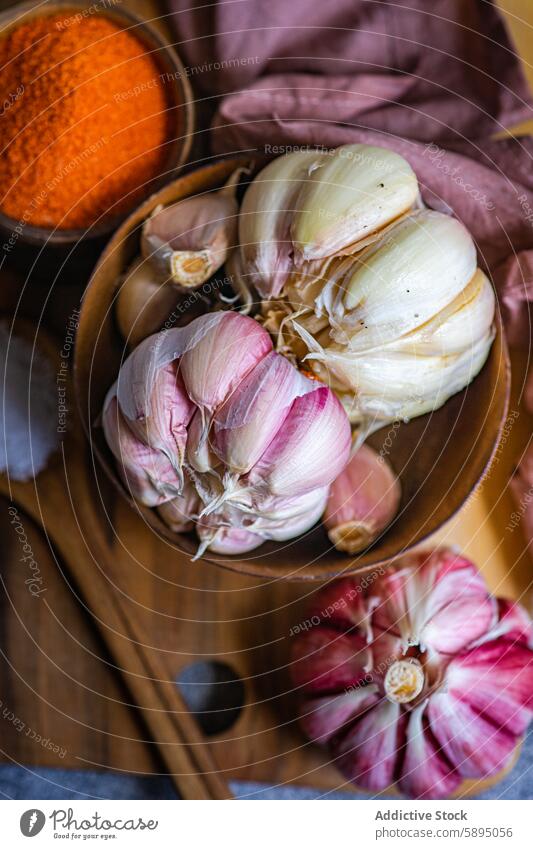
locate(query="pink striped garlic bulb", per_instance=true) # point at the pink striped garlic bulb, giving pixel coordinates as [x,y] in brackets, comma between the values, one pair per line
[217,431]
[415,675]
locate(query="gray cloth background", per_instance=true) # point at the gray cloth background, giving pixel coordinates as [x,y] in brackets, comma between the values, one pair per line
[19,782]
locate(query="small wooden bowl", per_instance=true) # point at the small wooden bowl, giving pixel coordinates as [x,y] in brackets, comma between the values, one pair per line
[439,457]
[180,98]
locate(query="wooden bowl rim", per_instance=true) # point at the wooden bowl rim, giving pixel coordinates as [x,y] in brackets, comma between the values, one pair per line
[239,563]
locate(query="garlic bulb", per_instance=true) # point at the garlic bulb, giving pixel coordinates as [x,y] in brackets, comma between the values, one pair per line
[188,241]
[224,434]
[143,303]
[421,678]
[381,298]
[363,500]
[265,219]
[355,192]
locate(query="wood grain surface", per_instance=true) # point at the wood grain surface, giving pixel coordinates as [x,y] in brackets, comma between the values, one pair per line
[58,685]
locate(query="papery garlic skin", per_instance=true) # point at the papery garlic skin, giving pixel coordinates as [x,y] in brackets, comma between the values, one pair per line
[180,513]
[143,302]
[265,218]
[363,501]
[356,191]
[419,676]
[149,476]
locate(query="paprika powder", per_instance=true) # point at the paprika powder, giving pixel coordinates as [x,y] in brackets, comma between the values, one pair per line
[84,122]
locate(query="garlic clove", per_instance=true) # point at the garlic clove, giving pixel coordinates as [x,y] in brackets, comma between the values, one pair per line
[322,718]
[288,524]
[426,773]
[310,448]
[164,426]
[473,745]
[179,513]
[496,680]
[385,385]
[404,280]
[323,659]
[150,477]
[214,366]
[143,303]
[190,240]
[368,753]
[199,455]
[225,540]
[457,327]
[265,216]
[355,191]
[440,601]
[363,500]
[513,623]
[342,604]
[245,425]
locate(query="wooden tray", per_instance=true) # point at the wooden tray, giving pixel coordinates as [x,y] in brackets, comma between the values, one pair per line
[56,678]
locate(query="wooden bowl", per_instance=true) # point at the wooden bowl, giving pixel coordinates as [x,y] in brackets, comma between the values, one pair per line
[439,457]
[180,104]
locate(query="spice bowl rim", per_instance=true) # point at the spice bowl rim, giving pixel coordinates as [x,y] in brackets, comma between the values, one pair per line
[13,17]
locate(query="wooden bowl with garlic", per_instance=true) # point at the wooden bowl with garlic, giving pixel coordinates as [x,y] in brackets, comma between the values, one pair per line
[244,326]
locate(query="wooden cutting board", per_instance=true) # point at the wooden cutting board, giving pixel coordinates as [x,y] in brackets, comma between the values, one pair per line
[62,701]
[55,676]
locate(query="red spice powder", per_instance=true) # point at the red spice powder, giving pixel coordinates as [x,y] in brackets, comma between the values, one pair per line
[83,123]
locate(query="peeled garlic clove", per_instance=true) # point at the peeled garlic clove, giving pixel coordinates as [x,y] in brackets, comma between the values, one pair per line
[143,303]
[363,500]
[179,513]
[356,191]
[426,773]
[404,280]
[309,450]
[150,477]
[265,217]
[216,364]
[188,241]
[245,425]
